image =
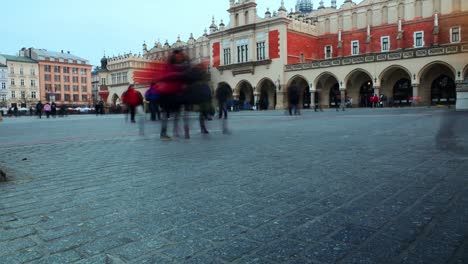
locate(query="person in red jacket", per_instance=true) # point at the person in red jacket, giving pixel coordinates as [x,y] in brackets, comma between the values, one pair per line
[132,99]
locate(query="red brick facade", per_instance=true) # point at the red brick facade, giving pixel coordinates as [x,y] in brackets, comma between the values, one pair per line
[274,50]
[216,54]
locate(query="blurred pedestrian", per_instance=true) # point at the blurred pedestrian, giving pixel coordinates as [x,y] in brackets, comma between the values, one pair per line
[132,99]
[39,108]
[53,110]
[47,109]
[317,100]
[293,98]
[151,96]
[223,93]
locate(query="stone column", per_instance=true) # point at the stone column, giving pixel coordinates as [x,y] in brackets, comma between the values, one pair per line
[462,96]
[280,97]
[416,99]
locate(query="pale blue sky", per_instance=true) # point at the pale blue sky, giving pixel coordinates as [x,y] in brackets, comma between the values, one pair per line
[88,27]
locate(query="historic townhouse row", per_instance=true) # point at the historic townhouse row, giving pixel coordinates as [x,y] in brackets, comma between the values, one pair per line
[47,76]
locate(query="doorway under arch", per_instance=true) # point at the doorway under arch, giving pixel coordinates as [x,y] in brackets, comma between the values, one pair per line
[443,91]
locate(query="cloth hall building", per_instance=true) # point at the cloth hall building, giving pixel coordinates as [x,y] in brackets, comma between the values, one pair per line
[415,52]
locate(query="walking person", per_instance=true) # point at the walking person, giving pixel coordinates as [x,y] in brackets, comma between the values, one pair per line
[47,109]
[152,97]
[337,101]
[223,93]
[132,99]
[53,110]
[39,108]
[293,98]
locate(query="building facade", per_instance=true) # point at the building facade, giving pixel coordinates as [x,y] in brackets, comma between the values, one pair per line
[23,81]
[64,77]
[4,91]
[412,51]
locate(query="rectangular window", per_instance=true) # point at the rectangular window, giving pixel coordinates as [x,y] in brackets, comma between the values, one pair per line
[58,97]
[83,71]
[302,57]
[83,79]
[75,88]
[385,43]
[66,88]
[33,72]
[47,68]
[66,79]
[75,98]
[33,83]
[66,70]
[12,82]
[103,81]
[23,94]
[21,71]
[75,70]
[84,98]
[57,78]
[13,95]
[67,97]
[57,69]
[355,47]
[75,79]
[84,88]
[242,53]
[455,34]
[33,95]
[57,87]
[328,52]
[3,86]
[48,87]
[227,56]
[419,39]
[4,97]
[22,82]
[12,70]
[47,77]
[261,51]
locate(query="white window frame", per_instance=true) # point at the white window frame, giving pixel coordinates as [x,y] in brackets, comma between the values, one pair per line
[352,47]
[459,34]
[261,50]
[325,51]
[382,43]
[422,39]
[33,94]
[227,56]
[13,94]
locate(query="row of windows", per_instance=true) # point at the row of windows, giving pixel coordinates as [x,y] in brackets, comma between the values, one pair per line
[385,42]
[57,78]
[120,77]
[243,53]
[23,95]
[32,71]
[12,82]
[66,88]
[74,70]
[68,97]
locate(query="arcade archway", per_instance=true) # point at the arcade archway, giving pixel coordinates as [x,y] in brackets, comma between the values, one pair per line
[267,96]
[359,87]
[327,89]
[395,85]
[305,98]
[245,95]
[437,84]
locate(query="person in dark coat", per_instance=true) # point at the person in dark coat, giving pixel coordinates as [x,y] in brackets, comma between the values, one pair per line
[53,110]
[317,100]
[152,97]
[293,98]
[39,108]
[223,93]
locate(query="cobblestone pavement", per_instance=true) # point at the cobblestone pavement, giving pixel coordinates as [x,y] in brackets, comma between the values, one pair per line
[361,186]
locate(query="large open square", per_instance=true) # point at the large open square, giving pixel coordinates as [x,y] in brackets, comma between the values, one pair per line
[360,186]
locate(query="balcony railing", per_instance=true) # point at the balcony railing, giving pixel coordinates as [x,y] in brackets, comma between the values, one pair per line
[378,57]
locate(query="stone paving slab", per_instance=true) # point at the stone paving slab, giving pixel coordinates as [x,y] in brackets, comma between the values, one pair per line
[361,186]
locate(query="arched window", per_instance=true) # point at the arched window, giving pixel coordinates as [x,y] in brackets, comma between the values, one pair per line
[418,8]
[369,17]
[327,25]
[236,20]
[384,15]
[354,20]
[401,11]
[246,17]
